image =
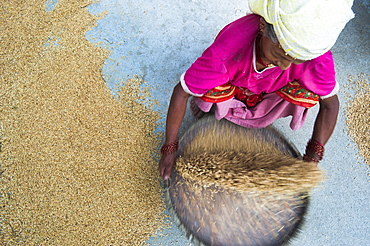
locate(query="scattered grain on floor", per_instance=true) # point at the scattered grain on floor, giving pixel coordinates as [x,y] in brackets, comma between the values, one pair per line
[358,113]
[77,165]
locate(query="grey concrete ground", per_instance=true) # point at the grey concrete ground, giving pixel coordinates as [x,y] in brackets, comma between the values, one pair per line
[159,39]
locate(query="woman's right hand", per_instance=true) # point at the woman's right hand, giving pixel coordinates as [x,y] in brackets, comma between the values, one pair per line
[175,115]
[165,165]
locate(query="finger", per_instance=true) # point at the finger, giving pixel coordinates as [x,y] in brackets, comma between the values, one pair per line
[197,113]
[200,114]
[161,168]
[167,173]
[161,171]
[194,109]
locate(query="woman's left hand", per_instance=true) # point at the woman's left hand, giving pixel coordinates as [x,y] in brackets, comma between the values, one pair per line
[324,126]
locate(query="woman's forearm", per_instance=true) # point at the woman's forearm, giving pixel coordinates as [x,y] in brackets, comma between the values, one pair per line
[326,119]
[176,112]
[323,128]
[175,116]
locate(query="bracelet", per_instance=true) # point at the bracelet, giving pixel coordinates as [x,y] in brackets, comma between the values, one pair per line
[171,148]
[308,158]
[314,149]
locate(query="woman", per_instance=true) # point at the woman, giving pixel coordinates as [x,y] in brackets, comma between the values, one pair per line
[270,64]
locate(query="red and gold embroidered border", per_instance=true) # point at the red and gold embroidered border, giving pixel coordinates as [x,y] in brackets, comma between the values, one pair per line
[295,93]
[220,93]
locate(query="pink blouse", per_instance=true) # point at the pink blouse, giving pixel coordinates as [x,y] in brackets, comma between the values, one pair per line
[231,58]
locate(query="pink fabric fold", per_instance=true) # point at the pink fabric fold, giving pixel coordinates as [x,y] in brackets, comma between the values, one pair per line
[263,114]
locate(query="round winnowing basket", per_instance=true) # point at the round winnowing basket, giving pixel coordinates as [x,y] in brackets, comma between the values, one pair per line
[237,186]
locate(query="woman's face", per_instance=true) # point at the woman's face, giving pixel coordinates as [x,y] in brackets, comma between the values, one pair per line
[272,53]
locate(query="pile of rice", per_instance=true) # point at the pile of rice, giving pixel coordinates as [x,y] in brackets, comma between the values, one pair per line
[77,165]
[358,114]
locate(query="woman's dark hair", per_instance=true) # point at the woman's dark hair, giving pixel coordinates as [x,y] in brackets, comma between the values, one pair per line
[270,33]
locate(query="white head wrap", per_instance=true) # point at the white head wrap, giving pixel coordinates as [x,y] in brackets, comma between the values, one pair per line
[305,29]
